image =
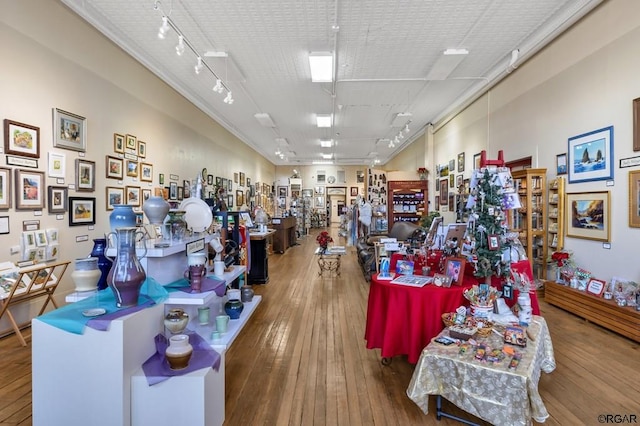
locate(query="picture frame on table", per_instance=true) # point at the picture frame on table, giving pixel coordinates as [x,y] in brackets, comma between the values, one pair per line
[57,165]
[589,215]
[146,172]
[596,287]
[29,189]
[70,130]
[82,211]
[57,199]
[634,199]
[454,269]
[85,175]
[444,191]
[132,195]
[590,156]
[5,188]
[115,195]
[561,164]
[21,139]
[118,143]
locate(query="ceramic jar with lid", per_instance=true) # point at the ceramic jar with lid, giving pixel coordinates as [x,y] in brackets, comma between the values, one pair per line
[176,320]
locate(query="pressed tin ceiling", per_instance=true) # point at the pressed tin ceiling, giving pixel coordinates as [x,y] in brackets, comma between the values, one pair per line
[390,68]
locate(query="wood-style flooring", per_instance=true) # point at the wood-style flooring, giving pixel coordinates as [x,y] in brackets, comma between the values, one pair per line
[302,360]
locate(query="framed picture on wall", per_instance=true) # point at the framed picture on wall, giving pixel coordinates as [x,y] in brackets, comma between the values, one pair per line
[115,195]
[444,191]
[57,199]
[589,215]
[29,189]
[5,187]
[69,130]
[354,191]
[590,156]
[85,175]
[561,164]
[21,139]
[82,211]
[118,143]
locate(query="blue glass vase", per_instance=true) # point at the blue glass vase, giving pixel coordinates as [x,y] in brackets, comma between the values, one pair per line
[104,263]
[122,216]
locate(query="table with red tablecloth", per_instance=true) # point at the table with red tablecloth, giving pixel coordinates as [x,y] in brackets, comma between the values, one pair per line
[402,320]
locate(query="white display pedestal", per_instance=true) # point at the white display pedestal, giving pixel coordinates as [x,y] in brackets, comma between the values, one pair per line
[86,379]
[196,398]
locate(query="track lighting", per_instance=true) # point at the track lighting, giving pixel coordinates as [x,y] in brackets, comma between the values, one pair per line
[198,66]
[218,87]
[400,135]
[228,99]
[164,28]
[180,45]
[406,128]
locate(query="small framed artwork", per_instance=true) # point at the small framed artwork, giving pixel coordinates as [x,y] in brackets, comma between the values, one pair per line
[21,139]
[118,143]
[229,201]
[461,162]
[132,195]
[4,225]
[209,179]
[467,186]
[596,287]
[507,291]
[146,172]
[114,167]
[186,187]
[588,215]
[636,124]
[455,269]
[29,239]
[115,195]
[131,143]
[561,164]
[319,190]
[590,156]
[161,178]
[437,202]
[173,190]
[57,199]
[459,183]
[229,185]
[85,175]
[493,243]
[82,211]
[282,191]
[146,194]
[359,176]
[452,166]
[634,199]
[132,168]
[476,161]
[219,181]
[5,188]
[452,202]
[41,238]
[248,182]
[52,235]
[239,197]
[354,191]
[29,189]
[180,193]
[235,177]
[241,182]
[452,180]
[70,130]
[57,167]
[444,191]
[142,149]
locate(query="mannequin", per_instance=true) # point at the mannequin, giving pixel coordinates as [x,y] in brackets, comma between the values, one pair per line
[365,212]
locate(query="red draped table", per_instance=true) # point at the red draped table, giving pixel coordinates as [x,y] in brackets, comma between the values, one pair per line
[402,320]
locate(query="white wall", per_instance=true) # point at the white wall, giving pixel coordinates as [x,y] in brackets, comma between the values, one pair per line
[583,81]
[53,59]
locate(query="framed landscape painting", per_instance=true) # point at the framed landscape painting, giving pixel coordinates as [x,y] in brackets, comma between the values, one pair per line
[589,215]
[590,156]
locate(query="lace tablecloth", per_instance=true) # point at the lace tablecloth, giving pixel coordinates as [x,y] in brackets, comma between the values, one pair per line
[489,391]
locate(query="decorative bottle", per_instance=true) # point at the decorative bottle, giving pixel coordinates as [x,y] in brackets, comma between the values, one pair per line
[104,263]
[122,216]
[126,275]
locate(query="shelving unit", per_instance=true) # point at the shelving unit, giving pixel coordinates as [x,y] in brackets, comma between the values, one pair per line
[529,221]
[407,201]
[555,221]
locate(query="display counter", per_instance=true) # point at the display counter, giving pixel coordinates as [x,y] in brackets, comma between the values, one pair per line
[285,233]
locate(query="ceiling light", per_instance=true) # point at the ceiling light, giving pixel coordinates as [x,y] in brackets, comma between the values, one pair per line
[264,119]
[319,162]
[164,28]
[406,128]
[180,45]
[229,99]
[400,135]
[326,143]
[323,120]
[327,156]
[456,52]
[321,64]
[282,141]
[218,87]
[396,141]
[198,66]
[400,119]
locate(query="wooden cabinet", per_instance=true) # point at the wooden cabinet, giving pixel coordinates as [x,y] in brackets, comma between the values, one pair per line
[407,201]
[285,235]
[529,221]
[555,221]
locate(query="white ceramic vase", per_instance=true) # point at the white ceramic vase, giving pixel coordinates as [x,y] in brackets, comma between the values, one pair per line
[179,351]
[86,274]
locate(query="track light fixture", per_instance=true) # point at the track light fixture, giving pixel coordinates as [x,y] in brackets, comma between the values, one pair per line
[400,135]
[180,45]
[406,128]
[183,44]
[164,28]
[198,66]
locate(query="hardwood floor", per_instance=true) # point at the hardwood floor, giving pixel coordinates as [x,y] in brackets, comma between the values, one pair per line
[302,360]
